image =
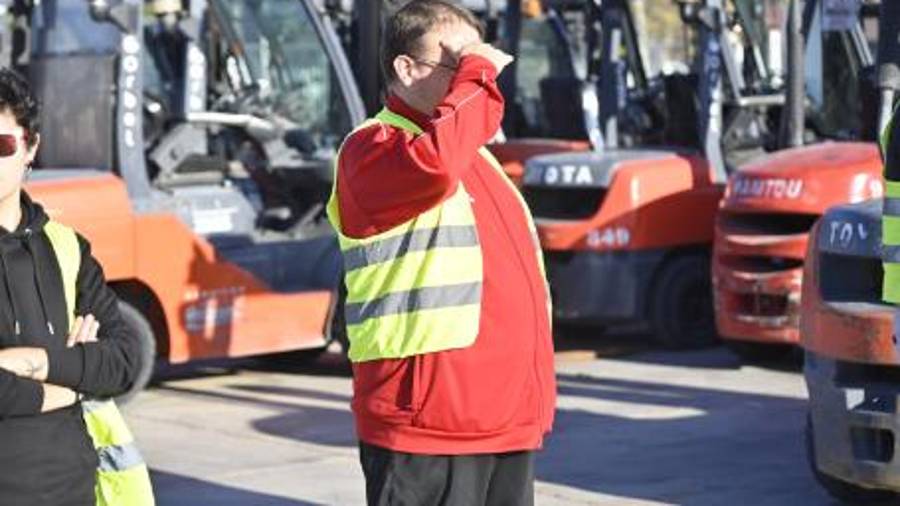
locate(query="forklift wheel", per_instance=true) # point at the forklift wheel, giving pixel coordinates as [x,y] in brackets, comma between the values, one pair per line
[681,307]
[841,490]
[144,332]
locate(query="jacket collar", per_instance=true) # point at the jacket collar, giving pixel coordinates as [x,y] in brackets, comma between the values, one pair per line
[396,105]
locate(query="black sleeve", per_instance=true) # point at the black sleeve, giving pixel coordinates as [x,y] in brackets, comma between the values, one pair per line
[19,396]
[109,366]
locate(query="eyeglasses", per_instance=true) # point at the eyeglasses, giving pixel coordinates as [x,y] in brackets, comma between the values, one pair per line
[432,63]
[9,145]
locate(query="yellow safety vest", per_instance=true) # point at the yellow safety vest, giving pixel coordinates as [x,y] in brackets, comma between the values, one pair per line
[890,217]
[415,288]
[122,475]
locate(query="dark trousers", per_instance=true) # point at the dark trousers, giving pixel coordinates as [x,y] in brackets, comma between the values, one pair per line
[404,479]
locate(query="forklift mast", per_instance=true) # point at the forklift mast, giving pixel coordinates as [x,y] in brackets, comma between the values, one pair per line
[618,71]
[713,51]
[793,117]
[613,21]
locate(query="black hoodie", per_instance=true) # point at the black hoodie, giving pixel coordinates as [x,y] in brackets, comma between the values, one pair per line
[48,459]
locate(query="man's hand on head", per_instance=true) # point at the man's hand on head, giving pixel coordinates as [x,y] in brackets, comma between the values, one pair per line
[497,57]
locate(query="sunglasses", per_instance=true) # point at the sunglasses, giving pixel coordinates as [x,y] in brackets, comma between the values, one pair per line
[9,145]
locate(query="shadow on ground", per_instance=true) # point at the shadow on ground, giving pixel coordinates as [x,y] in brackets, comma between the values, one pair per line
[635,344]
[692,446]
[639,439]
[173,490]
[299,418]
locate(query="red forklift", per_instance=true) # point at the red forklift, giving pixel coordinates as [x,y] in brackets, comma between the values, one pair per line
[627,228]
[851,359]
[770,204]
[192,143]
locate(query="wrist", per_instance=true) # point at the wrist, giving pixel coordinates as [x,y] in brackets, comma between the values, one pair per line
[28,363]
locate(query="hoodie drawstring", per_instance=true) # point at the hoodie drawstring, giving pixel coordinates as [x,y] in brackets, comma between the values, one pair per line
[9,294]
[26,242]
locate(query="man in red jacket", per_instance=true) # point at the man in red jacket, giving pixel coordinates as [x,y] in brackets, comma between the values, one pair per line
[447,305]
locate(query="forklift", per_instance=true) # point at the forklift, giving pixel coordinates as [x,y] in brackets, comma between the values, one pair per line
[192,143]
[851,363]
[770,204]
[627,228]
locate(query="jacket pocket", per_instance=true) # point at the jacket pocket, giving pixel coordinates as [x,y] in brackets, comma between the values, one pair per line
[458,393]
[384,391]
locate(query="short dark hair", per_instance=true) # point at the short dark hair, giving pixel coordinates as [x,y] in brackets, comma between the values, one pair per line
[405,29]
[16,99]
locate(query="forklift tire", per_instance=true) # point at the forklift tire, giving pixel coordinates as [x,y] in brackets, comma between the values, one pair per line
[681,306]
[144,332]
[841,490]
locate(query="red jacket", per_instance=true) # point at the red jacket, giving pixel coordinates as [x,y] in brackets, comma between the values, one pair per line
[499,394]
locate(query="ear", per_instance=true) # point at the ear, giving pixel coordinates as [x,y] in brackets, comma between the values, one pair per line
[404,66]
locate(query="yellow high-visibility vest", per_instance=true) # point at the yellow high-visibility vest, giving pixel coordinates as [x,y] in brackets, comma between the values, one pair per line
[122,475]
[415,288]
[890,217]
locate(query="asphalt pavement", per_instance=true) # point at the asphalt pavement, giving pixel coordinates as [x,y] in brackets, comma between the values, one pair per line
[634,426]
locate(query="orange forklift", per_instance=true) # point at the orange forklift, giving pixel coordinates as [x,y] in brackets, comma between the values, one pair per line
[770,204]
[627,228]
[852,363]
[191,142]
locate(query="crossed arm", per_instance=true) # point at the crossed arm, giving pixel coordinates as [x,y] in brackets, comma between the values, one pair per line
[30,363]
[35,380]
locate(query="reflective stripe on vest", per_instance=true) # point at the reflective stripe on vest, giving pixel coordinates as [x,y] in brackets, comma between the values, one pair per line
[122,475]
[415,288]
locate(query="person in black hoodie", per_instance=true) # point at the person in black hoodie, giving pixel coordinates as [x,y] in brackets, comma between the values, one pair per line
[46,455]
